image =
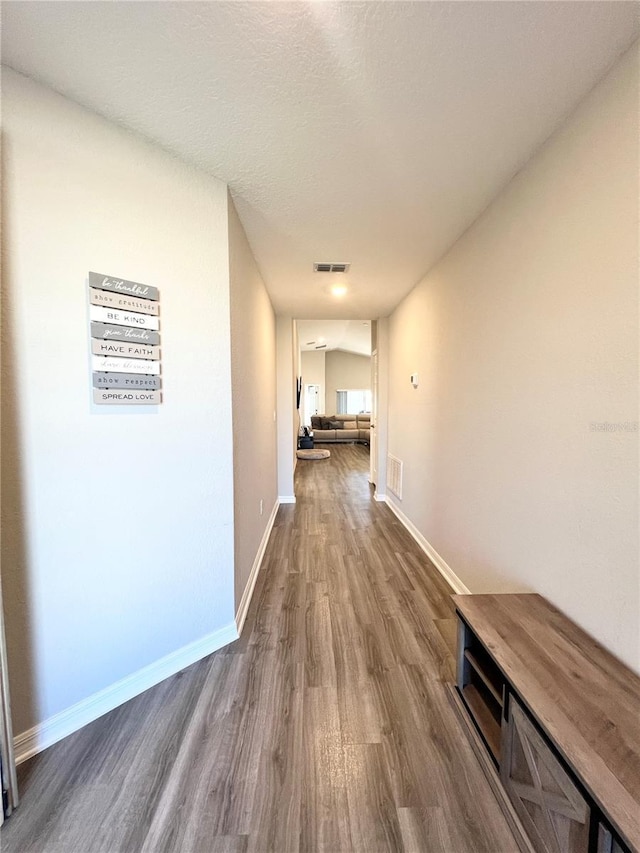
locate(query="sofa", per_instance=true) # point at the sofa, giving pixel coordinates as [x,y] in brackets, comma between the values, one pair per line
[330,429]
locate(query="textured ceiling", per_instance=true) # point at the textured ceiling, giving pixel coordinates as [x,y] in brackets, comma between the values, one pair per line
[372,133]
[347,335]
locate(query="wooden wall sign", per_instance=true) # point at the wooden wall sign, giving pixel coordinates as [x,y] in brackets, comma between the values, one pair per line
[125,341]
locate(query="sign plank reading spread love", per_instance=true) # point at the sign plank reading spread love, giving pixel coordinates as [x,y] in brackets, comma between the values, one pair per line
[125,397]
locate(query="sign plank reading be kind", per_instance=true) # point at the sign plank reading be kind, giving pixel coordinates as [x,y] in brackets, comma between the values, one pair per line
[123,318]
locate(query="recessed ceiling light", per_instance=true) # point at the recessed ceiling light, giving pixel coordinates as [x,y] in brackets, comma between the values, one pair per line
[339,289]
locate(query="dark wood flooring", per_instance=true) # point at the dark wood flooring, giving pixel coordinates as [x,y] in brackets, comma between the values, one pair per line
[326,727]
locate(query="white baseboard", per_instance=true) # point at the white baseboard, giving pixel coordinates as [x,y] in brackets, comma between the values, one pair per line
[86,711]
[379,496]
[286,499]
[445,570]
[245,601]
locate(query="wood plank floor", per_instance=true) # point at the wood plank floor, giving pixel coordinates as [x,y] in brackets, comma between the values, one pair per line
[326,727]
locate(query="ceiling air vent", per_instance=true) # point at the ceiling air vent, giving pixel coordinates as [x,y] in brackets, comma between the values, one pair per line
[331,267]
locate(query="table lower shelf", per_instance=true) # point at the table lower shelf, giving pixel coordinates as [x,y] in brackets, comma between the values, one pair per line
[487,724]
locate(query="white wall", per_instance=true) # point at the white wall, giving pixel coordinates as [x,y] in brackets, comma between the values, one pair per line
[313,373]
[525,337]
[345,371]
[119,521]
[253,371]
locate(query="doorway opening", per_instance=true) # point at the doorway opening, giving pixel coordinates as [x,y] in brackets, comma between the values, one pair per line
[338,382]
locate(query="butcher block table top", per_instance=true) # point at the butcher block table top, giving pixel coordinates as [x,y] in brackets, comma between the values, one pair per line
[584,699]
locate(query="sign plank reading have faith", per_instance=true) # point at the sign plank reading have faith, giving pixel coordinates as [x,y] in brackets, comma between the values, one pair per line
[126,350]
[125,341]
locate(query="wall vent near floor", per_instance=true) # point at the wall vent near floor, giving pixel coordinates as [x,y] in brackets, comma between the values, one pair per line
[394,475]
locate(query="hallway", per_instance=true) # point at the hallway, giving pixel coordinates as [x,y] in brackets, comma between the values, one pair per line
[326,727]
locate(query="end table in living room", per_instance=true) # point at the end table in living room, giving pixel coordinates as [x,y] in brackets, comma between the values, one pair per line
[305,442]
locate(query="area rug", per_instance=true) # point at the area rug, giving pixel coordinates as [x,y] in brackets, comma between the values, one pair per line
[316,453]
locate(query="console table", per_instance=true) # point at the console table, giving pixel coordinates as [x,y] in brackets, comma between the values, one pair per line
[558,720]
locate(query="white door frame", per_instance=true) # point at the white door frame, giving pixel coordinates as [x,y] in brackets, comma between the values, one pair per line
[381,397]
[9,780]
[373,434]
[307,408]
